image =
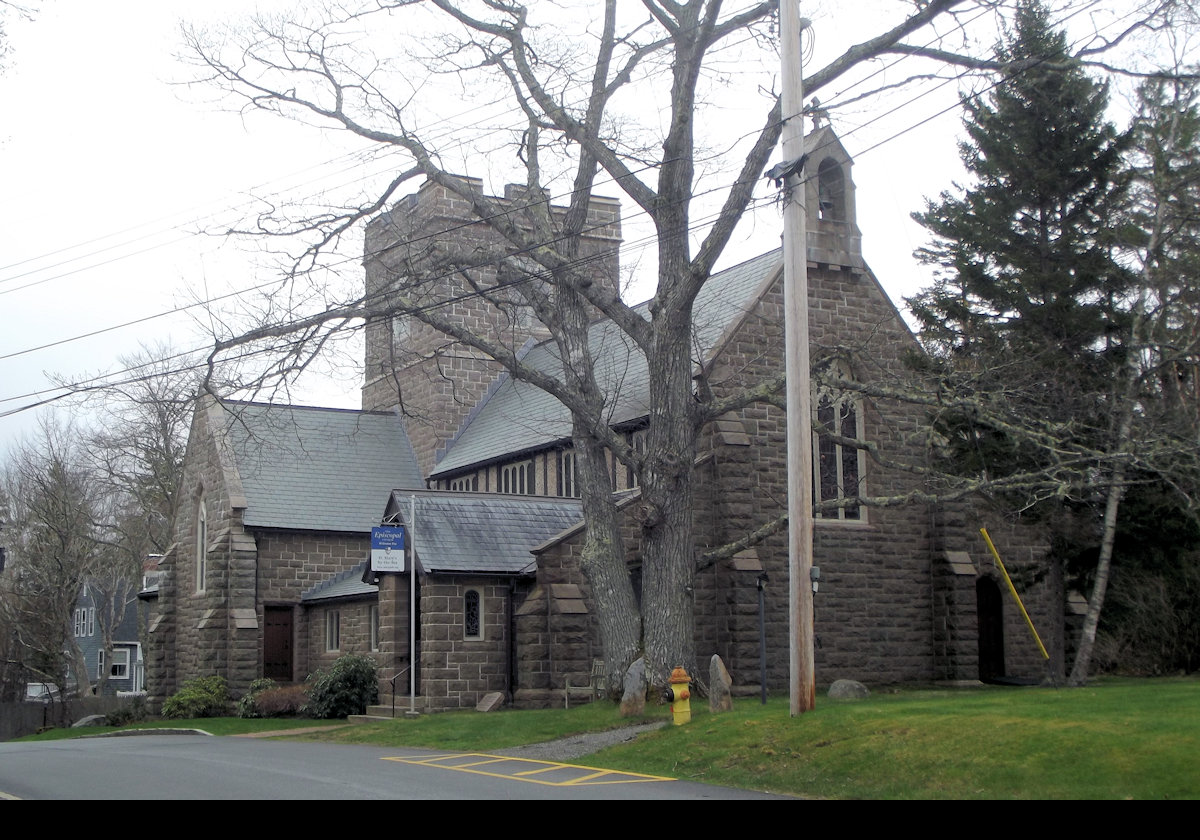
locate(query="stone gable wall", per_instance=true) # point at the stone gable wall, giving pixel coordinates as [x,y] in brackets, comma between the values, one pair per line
[200,633]
[191,630]
[876,612]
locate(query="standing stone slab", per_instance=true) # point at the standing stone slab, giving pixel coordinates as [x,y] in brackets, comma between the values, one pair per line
[720,697]
[633,700]
[490,702]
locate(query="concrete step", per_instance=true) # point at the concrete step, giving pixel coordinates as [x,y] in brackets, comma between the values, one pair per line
[384,712]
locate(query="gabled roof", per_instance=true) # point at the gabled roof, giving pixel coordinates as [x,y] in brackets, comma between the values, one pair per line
[316,469]
[347,584]
[480,533]
[519,417]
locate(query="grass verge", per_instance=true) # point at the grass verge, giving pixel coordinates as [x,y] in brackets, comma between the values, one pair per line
[1116,739]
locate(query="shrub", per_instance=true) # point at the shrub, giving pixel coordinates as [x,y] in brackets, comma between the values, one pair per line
[347,688]
[131,712]
[247,706]
[284,701]
[201,697]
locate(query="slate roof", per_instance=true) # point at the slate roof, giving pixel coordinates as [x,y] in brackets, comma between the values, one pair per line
[519,417]
[481,533]
[345,584]
[317,469]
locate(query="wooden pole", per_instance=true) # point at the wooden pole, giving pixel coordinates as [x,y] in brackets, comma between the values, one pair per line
[799,401]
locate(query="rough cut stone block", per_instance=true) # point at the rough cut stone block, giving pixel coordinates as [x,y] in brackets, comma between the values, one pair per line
[719,685]
[633,699]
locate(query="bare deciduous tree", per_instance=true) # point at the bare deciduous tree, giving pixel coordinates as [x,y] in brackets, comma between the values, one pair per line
[574,88]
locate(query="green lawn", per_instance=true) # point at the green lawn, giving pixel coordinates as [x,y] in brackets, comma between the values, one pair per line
[1116,739]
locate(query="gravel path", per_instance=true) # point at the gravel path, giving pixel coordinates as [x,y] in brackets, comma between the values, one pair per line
[577,746]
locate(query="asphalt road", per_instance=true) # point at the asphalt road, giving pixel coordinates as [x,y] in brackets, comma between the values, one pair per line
[205,767]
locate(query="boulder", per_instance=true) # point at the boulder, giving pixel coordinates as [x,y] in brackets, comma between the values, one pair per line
[720,684]
[848,690]
[633,699]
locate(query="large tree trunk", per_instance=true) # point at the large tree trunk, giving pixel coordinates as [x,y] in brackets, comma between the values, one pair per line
[1123,448]
[603,561]
[666,510]
[1091,621]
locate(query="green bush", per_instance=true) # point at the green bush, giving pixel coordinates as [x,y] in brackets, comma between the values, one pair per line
[247,706]
[201,697]
[347,688]
[132,712]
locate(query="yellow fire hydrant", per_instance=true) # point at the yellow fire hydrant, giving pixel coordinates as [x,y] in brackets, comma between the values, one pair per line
[679,695]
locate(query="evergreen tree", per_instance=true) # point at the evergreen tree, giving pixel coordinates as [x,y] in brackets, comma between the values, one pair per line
[1032,310]
[1026,252]
[1030,302]
[1064,311]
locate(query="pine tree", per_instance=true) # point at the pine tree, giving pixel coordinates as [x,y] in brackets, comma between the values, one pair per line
[1031,313]
[1026,252]
[1030,302]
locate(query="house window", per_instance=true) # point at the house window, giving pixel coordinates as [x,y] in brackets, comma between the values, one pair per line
[201,546]
[637,442]
[568,481]
[120,664]
[517,478]
[373,623]
[837,468]
[401,330]
[472,614]
[333,630]
[85,622]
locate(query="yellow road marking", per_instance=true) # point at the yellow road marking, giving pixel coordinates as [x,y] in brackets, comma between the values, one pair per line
[523,769]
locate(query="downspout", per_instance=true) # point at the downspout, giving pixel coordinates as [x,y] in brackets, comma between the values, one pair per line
[512,640]
[549,641]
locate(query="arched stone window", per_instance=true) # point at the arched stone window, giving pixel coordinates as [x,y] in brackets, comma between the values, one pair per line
[837,465]
[472,614]
[201,545]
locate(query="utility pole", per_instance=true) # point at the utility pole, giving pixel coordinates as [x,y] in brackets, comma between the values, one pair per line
[799,400]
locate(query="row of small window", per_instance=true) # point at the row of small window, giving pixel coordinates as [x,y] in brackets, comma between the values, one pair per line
[837,469]
[519,478]
[85,622]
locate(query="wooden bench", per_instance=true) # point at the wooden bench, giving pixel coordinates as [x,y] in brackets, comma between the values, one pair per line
[592,689]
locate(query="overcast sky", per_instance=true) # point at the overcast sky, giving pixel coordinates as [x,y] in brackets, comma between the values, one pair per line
[109,170]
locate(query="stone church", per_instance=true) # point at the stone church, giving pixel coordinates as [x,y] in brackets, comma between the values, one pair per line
[269,575]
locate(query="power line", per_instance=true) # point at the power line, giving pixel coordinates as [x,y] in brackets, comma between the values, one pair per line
[644,243]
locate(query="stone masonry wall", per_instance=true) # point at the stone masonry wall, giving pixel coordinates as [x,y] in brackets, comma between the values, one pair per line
[192,627]
[292,562]
[457,671]
[873,610]
[354,623]
[425,245]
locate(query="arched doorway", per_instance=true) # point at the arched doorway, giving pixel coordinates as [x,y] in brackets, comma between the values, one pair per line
[990,612]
